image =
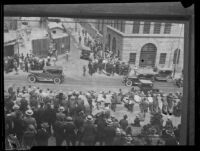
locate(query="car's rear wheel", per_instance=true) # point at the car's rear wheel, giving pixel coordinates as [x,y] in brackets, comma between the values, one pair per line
[31,79]
[57,80]
[129,83]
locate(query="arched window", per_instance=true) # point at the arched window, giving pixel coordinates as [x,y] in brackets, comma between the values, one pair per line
[114,45]
[148,55]
[176,56]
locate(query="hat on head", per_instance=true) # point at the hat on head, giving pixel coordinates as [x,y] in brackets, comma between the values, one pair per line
[69,118]
[61,109]
[109,122]
[89,118]
[15,107]
[72,97]
[128,138]
[45,125]
[29,112]
[118,131]
[70,93]
[31,127]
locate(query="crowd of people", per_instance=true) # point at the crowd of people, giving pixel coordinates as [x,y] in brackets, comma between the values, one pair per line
[26,63]
[33,115]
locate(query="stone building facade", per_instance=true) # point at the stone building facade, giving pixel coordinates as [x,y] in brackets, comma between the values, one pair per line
[145,43]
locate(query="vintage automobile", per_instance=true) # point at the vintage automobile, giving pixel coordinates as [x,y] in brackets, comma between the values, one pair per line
[49,73]
[146,74]
[131,79]
[164,74]
[85,52]
[146,85]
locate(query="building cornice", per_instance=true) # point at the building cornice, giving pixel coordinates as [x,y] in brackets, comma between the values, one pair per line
[143,35]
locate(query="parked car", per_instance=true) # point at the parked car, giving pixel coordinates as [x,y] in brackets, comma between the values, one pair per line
[85,53]
[131,79]
[146,74]
[146,85]
[49,73]
[164,74]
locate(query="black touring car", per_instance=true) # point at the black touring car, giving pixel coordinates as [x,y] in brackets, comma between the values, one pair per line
[49,73]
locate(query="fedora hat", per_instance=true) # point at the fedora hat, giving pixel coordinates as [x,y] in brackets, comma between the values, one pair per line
[29,112]
[61,109]
[89,118]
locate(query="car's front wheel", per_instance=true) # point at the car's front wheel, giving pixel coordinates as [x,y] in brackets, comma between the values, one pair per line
[57,80]
[31,79]
[129,83]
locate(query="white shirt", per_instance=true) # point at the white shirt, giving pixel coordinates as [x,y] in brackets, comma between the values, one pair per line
[137,98]
[150,99]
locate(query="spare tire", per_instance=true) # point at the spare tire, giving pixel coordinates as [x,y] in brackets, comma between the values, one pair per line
[129,83]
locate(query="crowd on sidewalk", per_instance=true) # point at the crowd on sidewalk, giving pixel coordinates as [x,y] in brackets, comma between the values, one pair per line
[27,63]
[33,115]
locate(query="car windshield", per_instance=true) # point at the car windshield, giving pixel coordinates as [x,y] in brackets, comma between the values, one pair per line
[165,72]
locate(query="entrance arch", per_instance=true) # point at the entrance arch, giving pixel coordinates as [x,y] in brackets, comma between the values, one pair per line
[114,45]
[148,55]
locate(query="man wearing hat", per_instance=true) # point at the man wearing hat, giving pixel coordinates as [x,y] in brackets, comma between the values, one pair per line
[60,114]
[70,135]
[128,140]
[124,122]
[79,121]
[117,141]
[109,132]
[89,132]
[72,105]
[29,120]
[101,124]
[42,135]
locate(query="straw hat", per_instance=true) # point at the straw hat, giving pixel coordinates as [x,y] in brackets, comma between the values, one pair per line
[118,131]
[61,109]
[29,112]
[109,122]
[69,118]
[89,118]
[73,97]
[15,107]
[70,93]
[128,138]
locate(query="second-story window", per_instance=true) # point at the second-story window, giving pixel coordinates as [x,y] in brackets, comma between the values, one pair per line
[146,29]
[136,27]
[122,26]
[167,28]
[115,24]
[157,27]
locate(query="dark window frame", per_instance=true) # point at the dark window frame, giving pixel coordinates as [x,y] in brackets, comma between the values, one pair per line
[162,59]
[136,27]
[167,28]
[157,27]
[147,27]
[134,59]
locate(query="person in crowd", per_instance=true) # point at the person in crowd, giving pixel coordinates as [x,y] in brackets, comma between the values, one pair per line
[29,137]
[84,70]
[29,120]
[70,134]
[117,141]
[101,124]
[80,40]
[59,131]
[124,122]
[109,132]
[42,135]
[89,131]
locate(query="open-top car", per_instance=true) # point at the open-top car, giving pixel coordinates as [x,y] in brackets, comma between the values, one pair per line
[164,74]
[146,74]
[131,79]
[49,73]
[145,85]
